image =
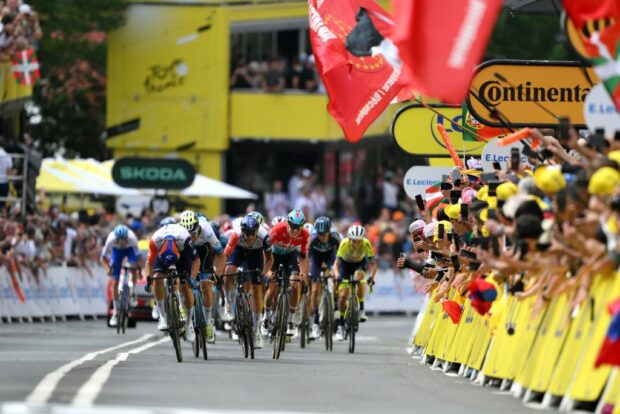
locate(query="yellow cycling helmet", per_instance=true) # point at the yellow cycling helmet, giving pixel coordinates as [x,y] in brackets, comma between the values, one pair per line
[189,220]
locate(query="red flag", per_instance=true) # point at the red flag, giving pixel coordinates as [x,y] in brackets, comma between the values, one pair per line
[441,43]
[453,310]
[25,67]
[359,79]
[598,25]
[609,353]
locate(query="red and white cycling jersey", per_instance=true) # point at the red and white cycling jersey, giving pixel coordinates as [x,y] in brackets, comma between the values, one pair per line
[236,238]
[283,243]
[180,234]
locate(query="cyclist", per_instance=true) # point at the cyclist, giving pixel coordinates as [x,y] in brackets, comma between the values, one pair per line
[211,254]
[121,244]
[167,220]
[323,247]
[354,255]
[172,245]
[250,247]
[290,248]
[277,219]
[260,219]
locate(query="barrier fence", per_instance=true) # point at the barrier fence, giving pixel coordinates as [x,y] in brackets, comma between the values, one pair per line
[60,292]
[544,356]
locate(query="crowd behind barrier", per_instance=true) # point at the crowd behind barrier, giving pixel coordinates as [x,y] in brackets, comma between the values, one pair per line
[521,270]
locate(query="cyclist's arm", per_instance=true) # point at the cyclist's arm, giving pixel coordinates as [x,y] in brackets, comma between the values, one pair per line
[304,263]
[105,262]
[150,258]
[336,267]
[188,247]
[372,267]
[267,249]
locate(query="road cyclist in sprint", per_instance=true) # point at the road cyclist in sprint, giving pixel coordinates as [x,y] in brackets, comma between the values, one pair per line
[120,244]
[172,245]
[290,248]
[211,254]
[249,247]
[355,255]
[324,243]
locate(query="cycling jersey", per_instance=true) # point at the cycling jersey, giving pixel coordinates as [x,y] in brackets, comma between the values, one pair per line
[283,243]
[207,236]
[237,239]
[112,243]
[347,253]
[322,254]
[178,233]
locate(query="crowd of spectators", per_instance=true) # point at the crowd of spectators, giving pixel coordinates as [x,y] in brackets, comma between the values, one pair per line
[19,28]
[276,74]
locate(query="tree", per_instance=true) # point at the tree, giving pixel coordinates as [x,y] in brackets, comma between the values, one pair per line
[68,111]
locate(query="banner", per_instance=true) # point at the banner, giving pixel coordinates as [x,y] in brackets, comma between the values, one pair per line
[441,43]
[393,292]
[360,82]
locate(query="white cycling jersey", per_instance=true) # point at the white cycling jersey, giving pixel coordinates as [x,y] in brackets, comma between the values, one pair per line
[178,232]
[111,242]
[207,236]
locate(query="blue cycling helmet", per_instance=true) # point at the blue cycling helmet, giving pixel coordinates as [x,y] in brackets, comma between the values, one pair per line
[169,252]
[249,224]
[323,225]
[121,232]
[166,221]
[296,218]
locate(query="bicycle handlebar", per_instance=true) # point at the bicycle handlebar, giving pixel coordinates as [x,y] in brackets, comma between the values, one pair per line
[241,272]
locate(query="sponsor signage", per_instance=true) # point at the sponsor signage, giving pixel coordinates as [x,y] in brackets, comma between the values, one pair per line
[572,34]
[600,111]
[158,173]
[561,87]
[494,153]
[419,178]
[414,128]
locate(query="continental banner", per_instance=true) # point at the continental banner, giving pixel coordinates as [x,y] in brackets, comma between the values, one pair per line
[530,93]
[414,128]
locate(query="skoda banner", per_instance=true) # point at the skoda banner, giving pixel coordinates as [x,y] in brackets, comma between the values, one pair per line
[530,93]
[600,112]
[419,178]
[158,173]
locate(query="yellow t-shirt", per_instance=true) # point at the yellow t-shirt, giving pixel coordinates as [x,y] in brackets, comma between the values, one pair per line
[347,253]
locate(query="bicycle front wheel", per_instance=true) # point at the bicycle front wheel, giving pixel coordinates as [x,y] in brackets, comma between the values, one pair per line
[174,325]
[328,321]
[353,320]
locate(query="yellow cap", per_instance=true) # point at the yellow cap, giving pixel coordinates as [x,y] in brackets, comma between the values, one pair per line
[549,179]
[614,156]
[453,211]
[483,214]
[492,202]
[483,193]
[604,181]
[506,190]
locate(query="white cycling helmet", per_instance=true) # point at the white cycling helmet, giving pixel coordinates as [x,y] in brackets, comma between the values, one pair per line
[277,219]
[356,232]
[309,227]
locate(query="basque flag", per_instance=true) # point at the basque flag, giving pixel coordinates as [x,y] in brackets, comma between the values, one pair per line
[441,43]
[598,25]
[610,351]
[357,62]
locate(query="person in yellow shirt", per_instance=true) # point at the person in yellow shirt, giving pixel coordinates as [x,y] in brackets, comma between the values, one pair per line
[355,255]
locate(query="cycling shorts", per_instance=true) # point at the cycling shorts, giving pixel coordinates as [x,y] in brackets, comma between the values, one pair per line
[117,257]
[248,259]
[348,269]
[290,261]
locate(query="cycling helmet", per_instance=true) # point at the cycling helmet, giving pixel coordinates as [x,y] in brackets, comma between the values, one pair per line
[309,227]
[277,219]
[166,221]
[296,218]
[356,232]
[189,220]
[249,224]
[323,225]
[121,232]
[258,217]
[169,252]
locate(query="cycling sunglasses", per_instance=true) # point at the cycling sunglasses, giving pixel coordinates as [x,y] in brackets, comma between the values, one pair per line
[295,226]
[250,233]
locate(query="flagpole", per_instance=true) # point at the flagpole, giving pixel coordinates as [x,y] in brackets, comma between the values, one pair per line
[430,108]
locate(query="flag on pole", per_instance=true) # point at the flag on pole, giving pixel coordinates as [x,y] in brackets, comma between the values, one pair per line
[441,43]
[25,67]
[609,353]
[598,25]
[356,60]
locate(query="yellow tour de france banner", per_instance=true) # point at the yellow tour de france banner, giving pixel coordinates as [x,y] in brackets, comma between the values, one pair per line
[414,129]
[530,93]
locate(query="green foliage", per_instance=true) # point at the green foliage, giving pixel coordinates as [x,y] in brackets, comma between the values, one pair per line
[70,98]
[522,36]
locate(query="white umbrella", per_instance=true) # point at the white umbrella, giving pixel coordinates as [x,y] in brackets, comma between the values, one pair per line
[208,187]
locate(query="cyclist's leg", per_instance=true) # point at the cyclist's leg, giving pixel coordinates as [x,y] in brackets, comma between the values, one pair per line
[116,262]
[184,267]
[292,264]
[206,280]
[254,260]
[273,289]
[317,289]
[232,264]
[132,259]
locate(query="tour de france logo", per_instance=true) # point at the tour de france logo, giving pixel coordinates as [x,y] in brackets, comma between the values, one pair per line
[341,30]
[163,77]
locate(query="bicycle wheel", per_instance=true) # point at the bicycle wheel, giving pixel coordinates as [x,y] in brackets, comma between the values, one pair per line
[200,325]
[125,308]
[196,321]
[174,325]
[328,321]
[353,315]
[303,327]
[282,314]
[240,321]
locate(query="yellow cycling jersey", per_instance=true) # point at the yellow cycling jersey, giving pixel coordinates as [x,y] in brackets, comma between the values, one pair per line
[347,253]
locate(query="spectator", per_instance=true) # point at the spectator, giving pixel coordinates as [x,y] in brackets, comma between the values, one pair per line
[308,76]
[320,200]
[305,203]
[276,202]
[27,25]
[6,167]
[273,80]
[390,192]
[241,77]
[294,186]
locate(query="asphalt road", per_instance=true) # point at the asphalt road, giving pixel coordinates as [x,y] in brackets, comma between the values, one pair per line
[79,367]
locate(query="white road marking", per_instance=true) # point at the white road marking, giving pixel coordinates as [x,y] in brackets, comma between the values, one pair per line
[45,388]
[87,394]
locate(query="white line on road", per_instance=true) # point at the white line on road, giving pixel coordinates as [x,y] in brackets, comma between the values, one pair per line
[45,388]
[87,394]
